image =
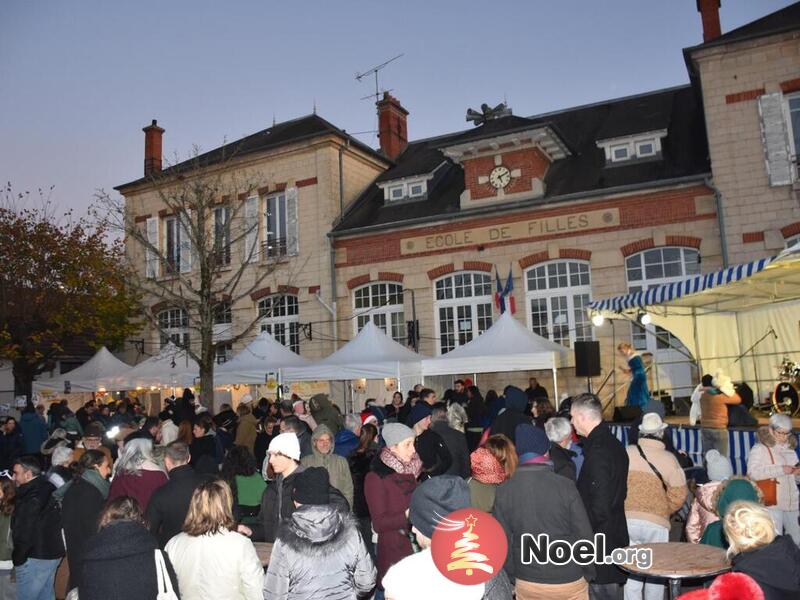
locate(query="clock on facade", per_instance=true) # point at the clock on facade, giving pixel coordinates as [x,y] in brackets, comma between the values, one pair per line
[500,177]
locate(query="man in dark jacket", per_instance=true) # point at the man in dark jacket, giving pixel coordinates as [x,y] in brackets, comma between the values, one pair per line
[454,440]
[296,426]
[603,485]
[10,443]
[169,504]
[35,530]
[559,432]
[506,422]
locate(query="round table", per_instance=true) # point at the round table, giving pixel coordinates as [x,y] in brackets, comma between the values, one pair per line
[675,561]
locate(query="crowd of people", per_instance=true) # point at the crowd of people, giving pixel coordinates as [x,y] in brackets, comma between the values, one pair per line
[109,502]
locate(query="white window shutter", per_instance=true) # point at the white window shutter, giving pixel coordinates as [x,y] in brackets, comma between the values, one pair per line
[151,257]
[775,137]
[185,241]
[251,229]
[292,237]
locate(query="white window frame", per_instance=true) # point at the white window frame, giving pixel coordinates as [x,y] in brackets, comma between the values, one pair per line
[788,110]
[791,241]
[223,353]
[687,269]
[401,190]
[476,304]
[222,232]
[396,192]
[385,315]
[177,329]
[276,243]
[564,280]
[284,327]
[411,186]
[614,148]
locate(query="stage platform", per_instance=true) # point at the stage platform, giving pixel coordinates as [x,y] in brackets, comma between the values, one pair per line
[684,421]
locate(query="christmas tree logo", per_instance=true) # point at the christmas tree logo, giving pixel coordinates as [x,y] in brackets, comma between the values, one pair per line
[469,546]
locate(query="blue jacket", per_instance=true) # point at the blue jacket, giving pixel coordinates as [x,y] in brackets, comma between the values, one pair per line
[346,442]
[34,432]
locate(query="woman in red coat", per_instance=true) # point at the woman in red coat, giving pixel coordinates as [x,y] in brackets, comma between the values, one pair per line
[388,488]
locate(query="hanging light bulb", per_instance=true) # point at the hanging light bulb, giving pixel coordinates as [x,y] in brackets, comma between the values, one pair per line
[646,319]
[598,320]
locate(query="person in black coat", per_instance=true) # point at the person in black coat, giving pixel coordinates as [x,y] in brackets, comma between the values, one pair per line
[559,432]
[516,402]
[82,501]
[119,562]
[454,440]
[169,504]
[10,443]
[603,485]
[204,446]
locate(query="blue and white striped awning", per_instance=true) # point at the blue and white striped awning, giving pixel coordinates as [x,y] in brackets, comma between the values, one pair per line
[672,291]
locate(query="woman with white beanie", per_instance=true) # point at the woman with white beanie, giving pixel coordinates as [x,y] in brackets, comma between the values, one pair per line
[774,458]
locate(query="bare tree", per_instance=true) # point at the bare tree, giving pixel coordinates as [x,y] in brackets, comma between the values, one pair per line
[208,258]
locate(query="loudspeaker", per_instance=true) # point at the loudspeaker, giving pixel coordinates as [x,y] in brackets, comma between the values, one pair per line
[587,359]
[626,414]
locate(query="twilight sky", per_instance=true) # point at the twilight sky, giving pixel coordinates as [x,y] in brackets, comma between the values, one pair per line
[80,79]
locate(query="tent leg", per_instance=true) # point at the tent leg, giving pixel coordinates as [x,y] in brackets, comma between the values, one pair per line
[555,388]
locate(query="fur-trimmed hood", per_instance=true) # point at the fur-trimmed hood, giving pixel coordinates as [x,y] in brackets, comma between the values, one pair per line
[764,436]
[316,529]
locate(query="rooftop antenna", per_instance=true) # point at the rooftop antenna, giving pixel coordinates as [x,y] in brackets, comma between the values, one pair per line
[375,69]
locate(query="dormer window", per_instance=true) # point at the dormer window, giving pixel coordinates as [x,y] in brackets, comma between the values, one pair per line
[631,147]
[414,187]
[397,192]
[415,190]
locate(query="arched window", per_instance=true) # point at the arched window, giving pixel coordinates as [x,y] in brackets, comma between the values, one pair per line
[653,267]
[174,326]
[463,308]
[280,316]
[383,304]
[557,294]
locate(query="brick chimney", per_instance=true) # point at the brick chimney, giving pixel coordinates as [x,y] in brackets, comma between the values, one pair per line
[152,148]
[709,13]
[392,126]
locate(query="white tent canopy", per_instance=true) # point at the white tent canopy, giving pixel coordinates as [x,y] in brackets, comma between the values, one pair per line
[370,355]
[171,367]
[85,378]
[264,354]
[719,316]
[506,346]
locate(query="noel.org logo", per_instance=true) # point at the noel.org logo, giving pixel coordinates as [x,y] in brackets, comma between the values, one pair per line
[469,546]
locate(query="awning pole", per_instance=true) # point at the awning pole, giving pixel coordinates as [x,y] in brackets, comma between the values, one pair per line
[696,344]
[555,384]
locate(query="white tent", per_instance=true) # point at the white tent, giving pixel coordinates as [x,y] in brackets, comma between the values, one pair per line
[506,346]
[171,367]
[259,357]
[85,378]
[370,355]
[742,319]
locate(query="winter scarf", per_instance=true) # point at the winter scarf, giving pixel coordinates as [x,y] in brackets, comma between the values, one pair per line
[90,476]
[391,460]
[486,468]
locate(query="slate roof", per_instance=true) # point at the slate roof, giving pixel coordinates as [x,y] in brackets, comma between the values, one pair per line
[786,19]
[684,155]
[287,132]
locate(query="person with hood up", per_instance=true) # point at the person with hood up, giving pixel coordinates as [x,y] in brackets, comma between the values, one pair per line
[276,503]
[514,414]
[774,457]
[34,430]
[735,488]
[491,464]
[325,457]
[702,511]
[318,552]
[416,576]
[755,550]
[247,430]
[323,412]
[552,506]
[388,488]
[120,559]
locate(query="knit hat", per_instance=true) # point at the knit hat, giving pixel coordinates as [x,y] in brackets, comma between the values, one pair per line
[718,466]
[420,411]
[730,586]
[286,444]
[311,486]
[486,468]
[652,423]
[94,429]
[530,440]
[394,433]
[436,498]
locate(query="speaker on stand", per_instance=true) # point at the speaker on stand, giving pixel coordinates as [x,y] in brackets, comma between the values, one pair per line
[587,361]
